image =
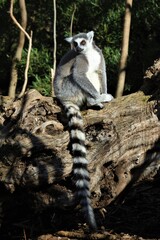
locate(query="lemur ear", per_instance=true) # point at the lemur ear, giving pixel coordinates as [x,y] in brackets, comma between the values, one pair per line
[69,39]
[90,35]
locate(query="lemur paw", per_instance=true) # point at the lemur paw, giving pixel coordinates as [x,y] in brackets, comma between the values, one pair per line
[99,105]
[106,97]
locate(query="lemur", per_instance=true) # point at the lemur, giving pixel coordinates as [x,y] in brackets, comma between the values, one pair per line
[80,80]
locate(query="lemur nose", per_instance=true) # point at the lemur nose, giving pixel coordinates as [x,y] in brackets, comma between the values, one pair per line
[78,49]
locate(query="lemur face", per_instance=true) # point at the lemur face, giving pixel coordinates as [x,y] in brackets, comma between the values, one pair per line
[81,42]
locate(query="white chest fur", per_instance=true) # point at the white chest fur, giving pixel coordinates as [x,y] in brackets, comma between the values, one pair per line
[94,59]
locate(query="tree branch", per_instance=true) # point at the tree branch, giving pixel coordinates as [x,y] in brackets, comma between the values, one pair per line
[55,46]
[27,67]
[15,20]
[72,19]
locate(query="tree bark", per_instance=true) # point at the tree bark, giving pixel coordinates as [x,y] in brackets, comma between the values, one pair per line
[18,54]
[122,142]
[125,47]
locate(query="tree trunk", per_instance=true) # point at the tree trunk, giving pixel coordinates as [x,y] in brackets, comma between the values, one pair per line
[18,54]
[121,140]
[125,46]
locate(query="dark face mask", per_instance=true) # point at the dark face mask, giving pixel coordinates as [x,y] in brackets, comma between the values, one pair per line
[77,48]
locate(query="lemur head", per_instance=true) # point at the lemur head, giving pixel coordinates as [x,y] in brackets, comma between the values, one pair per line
[81,42]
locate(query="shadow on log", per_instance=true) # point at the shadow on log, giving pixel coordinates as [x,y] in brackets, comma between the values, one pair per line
[122,143]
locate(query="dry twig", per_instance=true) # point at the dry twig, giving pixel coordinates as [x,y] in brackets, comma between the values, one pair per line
[55,46]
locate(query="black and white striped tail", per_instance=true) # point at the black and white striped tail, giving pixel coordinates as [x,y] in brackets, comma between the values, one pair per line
[80,162]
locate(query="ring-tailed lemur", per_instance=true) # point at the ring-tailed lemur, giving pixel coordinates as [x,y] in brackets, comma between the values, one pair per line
[81,79]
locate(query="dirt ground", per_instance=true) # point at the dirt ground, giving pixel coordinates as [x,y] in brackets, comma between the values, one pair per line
[135,215]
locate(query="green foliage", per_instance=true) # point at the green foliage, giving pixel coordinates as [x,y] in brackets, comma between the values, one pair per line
[112,57]
[104,17]
[43,85]
[2,2]
[144,40]
[39,70]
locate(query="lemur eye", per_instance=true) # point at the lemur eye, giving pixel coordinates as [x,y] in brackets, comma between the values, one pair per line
[83,42]
[75,44]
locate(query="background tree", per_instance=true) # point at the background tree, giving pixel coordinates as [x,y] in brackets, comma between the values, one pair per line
[104,17]
[125,46]
[18,55]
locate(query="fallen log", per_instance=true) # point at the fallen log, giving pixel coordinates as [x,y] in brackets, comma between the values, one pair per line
[122,143]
